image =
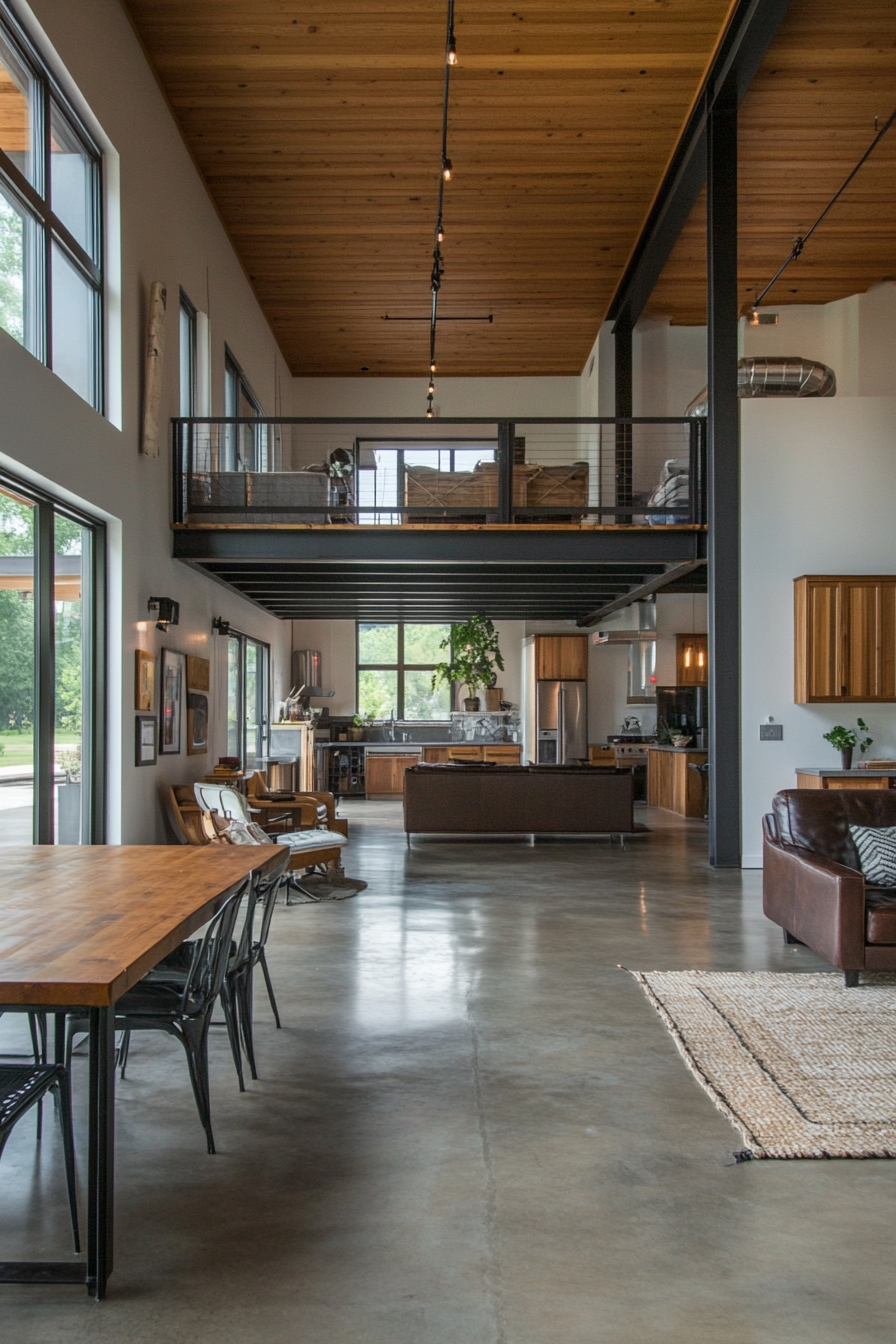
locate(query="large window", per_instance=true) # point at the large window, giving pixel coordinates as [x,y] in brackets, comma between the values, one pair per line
[51,281]
[248,697]
[52,666]
[395,666]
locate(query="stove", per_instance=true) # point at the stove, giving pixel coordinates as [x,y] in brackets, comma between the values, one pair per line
[631,752]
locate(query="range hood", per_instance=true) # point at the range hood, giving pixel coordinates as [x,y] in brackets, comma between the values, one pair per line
[645,633]
[641,653]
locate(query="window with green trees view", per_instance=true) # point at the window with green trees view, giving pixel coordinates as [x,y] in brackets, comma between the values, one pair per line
[50,671]
[395,667]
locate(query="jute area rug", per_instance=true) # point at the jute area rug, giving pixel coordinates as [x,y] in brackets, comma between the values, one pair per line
[802,1066]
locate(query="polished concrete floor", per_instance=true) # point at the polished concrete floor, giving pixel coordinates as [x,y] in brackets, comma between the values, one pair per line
[472,1129]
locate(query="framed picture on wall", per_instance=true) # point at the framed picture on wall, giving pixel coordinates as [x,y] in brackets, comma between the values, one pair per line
[197,723]
[172,699]
[198,670]
[145,681]
[145,745]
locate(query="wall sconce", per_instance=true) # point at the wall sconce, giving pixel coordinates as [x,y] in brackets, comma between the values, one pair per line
[220,626]
[168,609]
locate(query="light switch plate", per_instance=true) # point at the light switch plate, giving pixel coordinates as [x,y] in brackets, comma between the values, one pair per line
[771,732]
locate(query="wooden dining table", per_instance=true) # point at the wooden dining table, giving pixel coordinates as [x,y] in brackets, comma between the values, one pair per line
[80,925]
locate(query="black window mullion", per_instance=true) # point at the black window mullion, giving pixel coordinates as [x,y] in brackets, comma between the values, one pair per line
[93,740]
[400,693]
[44,674]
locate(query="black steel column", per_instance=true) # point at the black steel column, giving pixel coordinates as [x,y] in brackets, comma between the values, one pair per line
[44,674]
[723,493]
[506,435]
[101,1151]
[622,351]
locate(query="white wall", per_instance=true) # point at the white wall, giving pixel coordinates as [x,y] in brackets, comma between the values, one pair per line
[490,398]
[169,231]
[819,497]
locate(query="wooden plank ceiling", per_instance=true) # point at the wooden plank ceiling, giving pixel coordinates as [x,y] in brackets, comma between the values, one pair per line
[803,126]
[317,127]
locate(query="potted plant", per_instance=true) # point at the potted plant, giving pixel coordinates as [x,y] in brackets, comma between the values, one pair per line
[474,652]
[845,740]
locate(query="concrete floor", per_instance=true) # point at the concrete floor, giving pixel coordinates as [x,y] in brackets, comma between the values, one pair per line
[473,1129]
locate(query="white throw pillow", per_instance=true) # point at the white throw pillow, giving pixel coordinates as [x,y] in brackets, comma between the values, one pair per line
[877,853]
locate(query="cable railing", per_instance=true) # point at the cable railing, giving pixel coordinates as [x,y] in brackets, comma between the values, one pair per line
[304,472]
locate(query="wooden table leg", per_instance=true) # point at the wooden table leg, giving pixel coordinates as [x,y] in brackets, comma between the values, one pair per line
[101,1158]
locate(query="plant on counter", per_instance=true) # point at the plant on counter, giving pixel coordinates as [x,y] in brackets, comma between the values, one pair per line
[473,646]
[845,740]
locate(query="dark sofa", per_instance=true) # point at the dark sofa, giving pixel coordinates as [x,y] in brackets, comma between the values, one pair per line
[518,799]
[811,882]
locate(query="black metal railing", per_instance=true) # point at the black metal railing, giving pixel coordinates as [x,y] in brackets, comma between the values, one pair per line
[640,471]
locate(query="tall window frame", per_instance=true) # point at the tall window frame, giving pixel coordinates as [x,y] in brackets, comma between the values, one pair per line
[246,447]
[188,354]
[61,273]
[47,509]
[248,698]
[401,667]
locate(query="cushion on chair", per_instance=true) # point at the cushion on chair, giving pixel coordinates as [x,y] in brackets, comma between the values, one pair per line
[880,917]
[299,840]
[876,846]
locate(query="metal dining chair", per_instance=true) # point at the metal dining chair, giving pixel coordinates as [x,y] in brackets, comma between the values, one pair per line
[182,1005]
[25,1085]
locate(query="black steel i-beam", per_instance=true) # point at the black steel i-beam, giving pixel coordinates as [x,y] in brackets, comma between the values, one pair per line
[624,401]
[506,432]
[723,496]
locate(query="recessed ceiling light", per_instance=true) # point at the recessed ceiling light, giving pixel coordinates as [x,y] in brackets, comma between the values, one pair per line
[365,368]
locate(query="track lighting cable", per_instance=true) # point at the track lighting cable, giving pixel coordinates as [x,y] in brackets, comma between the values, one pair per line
[445,175]
[800,242]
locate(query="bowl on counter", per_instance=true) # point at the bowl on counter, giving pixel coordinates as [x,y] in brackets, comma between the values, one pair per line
[681,741]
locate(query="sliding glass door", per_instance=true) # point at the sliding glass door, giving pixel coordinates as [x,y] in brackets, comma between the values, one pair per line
[248,698]
[52,668]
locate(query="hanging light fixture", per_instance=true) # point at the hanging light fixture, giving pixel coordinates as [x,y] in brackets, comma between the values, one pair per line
[451,50]
[447,169]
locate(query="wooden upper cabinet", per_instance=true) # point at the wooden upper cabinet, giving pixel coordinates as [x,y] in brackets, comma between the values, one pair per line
[561,657]
[691,660]
[844,638]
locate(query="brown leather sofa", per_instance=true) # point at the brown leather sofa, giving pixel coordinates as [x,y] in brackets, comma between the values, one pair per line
[811,882]
[514,799]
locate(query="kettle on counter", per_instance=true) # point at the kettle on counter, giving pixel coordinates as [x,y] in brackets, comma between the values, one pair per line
[632,724]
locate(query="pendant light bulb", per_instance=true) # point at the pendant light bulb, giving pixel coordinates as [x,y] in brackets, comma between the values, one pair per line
[432,387]
[432,368]
[451,53]
[440,234]
[429,413]
[447,169]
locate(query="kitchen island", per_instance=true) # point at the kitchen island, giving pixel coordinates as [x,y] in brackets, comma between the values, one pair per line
[814,777]
[670,784]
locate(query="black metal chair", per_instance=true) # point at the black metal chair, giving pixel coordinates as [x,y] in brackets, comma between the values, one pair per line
[182,1004]
[237,996]
[245,954]
[25,1085]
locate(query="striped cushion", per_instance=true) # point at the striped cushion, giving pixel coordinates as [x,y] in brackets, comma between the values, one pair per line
[877,853]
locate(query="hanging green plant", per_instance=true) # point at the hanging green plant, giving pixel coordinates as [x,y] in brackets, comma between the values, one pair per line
[473,646]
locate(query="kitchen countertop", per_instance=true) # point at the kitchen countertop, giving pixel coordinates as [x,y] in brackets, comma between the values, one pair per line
[823,772]
[687,751]
[393,748]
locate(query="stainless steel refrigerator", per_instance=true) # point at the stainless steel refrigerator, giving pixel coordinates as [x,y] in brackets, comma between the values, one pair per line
[561,729]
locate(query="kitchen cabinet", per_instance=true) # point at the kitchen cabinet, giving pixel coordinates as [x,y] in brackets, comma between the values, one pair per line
[506,753]
[601,755]
[691,660]
[671,784]
[561,657]
[844,639]
[385,774]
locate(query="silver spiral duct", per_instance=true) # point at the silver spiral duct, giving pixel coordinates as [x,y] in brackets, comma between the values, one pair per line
[775,376]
